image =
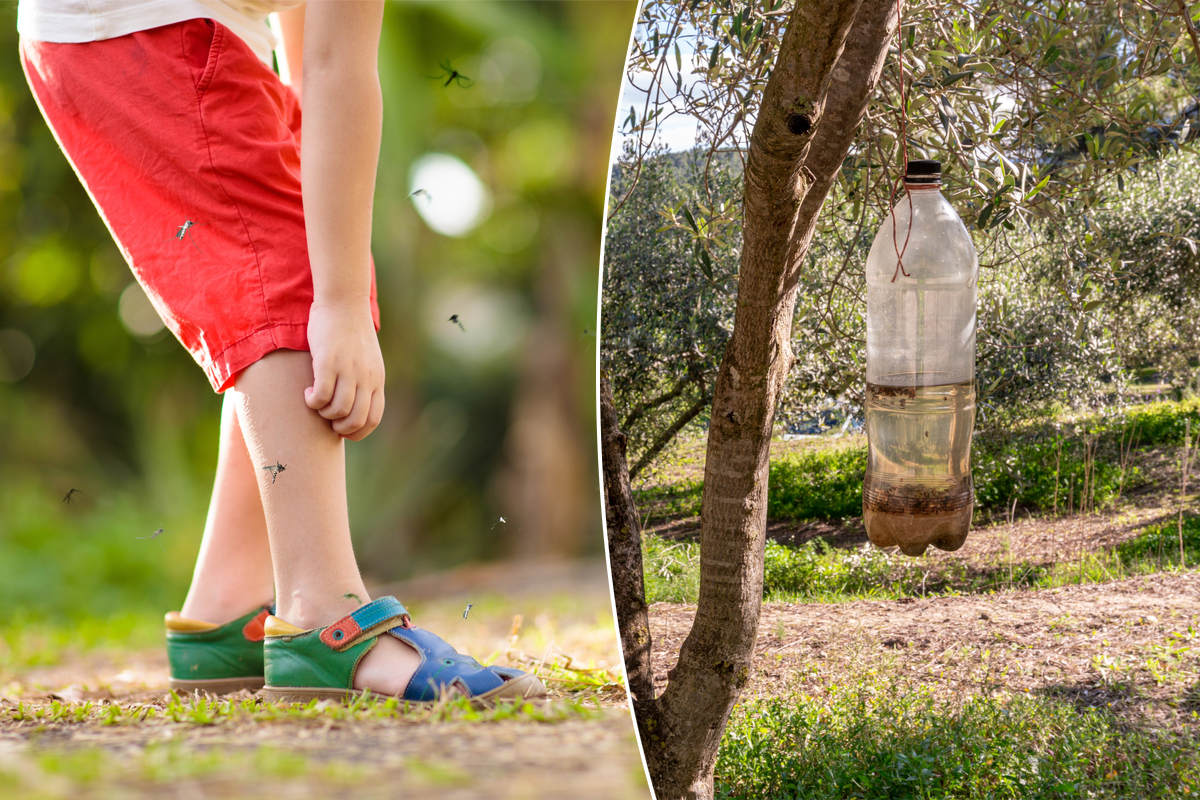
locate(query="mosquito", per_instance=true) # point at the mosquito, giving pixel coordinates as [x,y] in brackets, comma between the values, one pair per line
[275,469]
[586,333]
[501,521]
[186,230]
[352,596]
[419,192]
[467,612]
[452,76]
[154,535]
[67,498]
[454,318]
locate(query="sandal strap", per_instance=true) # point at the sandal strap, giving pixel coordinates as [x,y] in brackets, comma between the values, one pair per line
[443,667]
[364,622]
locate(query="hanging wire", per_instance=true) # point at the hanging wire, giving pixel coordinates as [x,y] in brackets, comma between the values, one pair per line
[903,151]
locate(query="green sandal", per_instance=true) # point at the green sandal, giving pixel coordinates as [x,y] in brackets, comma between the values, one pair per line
[217,659]
[320,663]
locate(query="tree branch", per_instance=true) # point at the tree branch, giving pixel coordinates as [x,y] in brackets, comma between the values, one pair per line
[666,436]
[853,80]
[639,411]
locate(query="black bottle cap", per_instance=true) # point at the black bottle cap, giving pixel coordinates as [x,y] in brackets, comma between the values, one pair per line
[923,171]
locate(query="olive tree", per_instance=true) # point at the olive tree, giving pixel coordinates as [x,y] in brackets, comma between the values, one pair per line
[1035,110]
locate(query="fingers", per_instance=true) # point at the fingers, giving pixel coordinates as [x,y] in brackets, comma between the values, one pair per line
[374,415]
[356,417]
[342,402]
[320,393]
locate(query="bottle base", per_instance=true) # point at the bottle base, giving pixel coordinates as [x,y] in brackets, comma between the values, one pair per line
[913,533]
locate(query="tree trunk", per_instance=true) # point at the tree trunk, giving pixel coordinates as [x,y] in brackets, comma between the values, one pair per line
[829,62]
[625,558]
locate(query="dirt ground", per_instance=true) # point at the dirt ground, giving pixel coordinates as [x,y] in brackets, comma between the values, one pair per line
[1130,646]
[577,744]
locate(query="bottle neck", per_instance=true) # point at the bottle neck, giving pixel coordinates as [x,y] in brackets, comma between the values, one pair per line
[922,187]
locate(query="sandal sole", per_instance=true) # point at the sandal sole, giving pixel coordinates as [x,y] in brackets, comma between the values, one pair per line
[525,687]
[218,686]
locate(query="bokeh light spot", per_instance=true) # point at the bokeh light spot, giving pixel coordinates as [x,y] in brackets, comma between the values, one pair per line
[448,194]
[138,314]
[108,270]
[46,276]
[493,322]
[510,71]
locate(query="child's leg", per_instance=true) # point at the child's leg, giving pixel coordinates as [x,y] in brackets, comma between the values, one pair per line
[306,514]
[233,571]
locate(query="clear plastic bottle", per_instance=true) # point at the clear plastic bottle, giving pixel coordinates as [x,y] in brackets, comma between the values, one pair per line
[920,401]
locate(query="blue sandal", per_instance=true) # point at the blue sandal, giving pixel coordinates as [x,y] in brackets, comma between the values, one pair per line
[302,665]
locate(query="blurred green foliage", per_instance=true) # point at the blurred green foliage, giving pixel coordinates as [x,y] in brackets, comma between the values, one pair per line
[130,421]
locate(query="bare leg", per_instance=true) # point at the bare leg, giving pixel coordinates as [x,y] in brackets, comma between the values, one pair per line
[233,570]
[306,516]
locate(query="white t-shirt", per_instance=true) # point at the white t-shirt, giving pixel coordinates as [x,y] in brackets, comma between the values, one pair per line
[71,21]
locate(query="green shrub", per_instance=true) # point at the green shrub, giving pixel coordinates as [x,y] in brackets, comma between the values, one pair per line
[1163,539]
[812,571]
[1162,423]
[1037,475]
[816,570]
[890,741]
[817,484]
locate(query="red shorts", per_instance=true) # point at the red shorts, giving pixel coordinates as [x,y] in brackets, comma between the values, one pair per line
[181,124]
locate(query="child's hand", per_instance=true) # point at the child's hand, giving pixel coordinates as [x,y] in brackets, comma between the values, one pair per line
[347,369]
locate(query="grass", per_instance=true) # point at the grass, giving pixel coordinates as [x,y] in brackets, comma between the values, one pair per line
[891,740]
[193,711]
[1035,466]
[817,572]
[243,747]
[28,642]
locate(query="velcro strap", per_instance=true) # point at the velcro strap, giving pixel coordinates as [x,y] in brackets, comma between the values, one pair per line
[372,619]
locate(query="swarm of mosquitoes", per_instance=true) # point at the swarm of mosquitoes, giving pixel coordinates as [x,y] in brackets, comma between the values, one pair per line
[275,469]
[452,76]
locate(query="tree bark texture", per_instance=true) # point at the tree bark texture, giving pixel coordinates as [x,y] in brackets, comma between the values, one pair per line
[625,556]
[829,62]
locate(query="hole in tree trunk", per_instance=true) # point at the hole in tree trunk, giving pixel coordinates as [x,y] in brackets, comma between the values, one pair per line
[799,124]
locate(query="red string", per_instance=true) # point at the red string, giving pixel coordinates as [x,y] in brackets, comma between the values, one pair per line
[904,152]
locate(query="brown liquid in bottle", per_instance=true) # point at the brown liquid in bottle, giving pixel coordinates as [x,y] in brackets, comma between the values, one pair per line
[918,489]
